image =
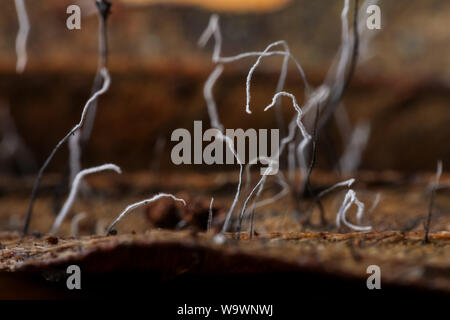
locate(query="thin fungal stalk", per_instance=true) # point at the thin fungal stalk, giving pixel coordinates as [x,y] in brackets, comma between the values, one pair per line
[230,145]
[22,35]
[215,123]
[100,227]
[106,83]
[209,98]
[347,183]
[74,155]
[344,58]
[375,203]
[306,136]
[213,29]
[281,179]
[139,204]
[317,98]
[74,191]
[346,62]
[280,87]
[257,187]
[75,223]
[260,185]
[257,204]
[351,157]
[271,161]
[210,215]
[335,77]
[349,200]
[103,9]
[434,186]
[310,169]
[80,138]
[284,191]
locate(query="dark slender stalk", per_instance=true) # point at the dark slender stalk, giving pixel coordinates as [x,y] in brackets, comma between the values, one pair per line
[252,215]
[335,99]
[252,221]
[311,167]
[37,182]
[430,213]
[434,186]
[104,9]
[210,216]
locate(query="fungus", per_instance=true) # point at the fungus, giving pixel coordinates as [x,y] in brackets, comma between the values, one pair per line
[74,191]
[139,204]
[350,198]
[102,90]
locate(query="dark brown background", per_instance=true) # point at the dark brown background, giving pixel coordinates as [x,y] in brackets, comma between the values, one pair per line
[158,74]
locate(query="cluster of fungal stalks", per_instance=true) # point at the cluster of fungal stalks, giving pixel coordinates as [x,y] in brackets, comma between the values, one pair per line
[84,126]
[299,144]
[323,101]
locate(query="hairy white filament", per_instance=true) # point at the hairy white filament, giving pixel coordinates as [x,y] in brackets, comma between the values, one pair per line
[210,215]
[74,191]
[346,183]
[142,203]
[350,198]
[74,155]
[209,98]
[22,35]
[266,53]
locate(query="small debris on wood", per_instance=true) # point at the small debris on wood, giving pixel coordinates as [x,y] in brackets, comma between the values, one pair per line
[51,240]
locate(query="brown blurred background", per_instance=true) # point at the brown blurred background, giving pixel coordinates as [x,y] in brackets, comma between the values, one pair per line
[158,74]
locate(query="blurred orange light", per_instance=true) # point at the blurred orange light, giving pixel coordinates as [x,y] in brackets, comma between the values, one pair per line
[220,5]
